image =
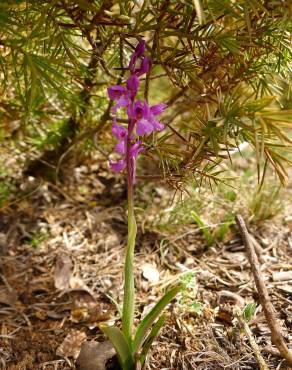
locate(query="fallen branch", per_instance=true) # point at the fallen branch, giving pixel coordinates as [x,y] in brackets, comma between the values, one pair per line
[276,333]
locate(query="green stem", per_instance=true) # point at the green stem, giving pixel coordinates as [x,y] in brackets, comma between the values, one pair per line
[129,288]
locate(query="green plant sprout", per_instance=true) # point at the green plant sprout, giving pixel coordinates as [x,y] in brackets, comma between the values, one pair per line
[219,232]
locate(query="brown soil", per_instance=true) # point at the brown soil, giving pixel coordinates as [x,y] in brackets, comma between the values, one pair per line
[88,224]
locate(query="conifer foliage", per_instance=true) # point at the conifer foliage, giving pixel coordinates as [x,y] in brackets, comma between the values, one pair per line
[222,68]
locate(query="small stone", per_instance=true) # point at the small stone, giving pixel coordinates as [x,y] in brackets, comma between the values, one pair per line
[94,355]
[150,273]
[62,272]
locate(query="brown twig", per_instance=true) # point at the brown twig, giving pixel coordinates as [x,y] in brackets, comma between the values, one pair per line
[276,333]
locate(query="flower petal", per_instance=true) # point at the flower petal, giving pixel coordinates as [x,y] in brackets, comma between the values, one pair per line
[139,51]
[119,132]
[144,67]
[140,48]
[158,108]
[115,92]
[123,101]
[118,166]
[144,127]
[158,126]
[136,149]
[121,147]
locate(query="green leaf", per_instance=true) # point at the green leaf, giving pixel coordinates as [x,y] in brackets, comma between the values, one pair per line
[249,311]
[204,227]
[122,347]
[149,340]
[149,319]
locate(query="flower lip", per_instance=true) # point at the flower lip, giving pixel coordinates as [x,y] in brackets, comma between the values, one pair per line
[119,132]
[140,110]
[118,166]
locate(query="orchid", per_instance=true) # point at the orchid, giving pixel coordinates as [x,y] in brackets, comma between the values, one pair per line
[142,120]
[141,115]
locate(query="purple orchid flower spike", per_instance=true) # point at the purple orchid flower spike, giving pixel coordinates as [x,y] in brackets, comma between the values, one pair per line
[142,120]
[142,117]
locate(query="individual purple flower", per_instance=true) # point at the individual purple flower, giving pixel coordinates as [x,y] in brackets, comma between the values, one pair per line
[145,117]
[138,53]
[138,57]
[120,165]
[123,95]
[119,94]
[140,48]
[121,133]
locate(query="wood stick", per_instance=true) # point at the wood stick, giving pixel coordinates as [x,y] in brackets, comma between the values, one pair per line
[276,333]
